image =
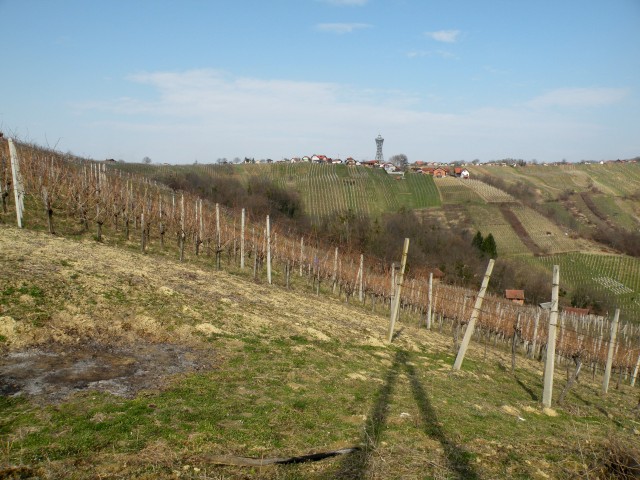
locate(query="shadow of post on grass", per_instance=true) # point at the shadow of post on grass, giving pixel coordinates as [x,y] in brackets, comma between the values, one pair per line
[357,464]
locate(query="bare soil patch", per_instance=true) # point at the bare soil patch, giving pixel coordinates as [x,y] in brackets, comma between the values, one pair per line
[522,233]
[51,375]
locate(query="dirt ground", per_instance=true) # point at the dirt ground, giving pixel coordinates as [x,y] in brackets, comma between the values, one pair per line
[82,315]
[51,375]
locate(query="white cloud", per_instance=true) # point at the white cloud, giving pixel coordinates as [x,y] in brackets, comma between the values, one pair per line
[348,3]
[579,97]
[445,36]
[430,53]
[207,114]
[341,27]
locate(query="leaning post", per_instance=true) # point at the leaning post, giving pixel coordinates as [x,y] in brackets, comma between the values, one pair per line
[612,344]
[396,304]
[474,317]
[18,193]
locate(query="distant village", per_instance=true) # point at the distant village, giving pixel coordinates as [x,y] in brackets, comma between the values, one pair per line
[435,169]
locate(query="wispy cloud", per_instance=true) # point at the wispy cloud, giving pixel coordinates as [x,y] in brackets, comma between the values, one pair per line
[347,3]
[579,97]
[214,114]
[445,36]
[430,53]
[341,28]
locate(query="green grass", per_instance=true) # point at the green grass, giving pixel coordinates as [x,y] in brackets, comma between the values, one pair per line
[326,189]
[276,390]
[616,276]
[270,399]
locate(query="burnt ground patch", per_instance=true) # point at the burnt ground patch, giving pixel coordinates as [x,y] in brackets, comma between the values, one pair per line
[54,373]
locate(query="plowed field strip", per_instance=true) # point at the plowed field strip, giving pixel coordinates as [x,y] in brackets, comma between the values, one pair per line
[522,233]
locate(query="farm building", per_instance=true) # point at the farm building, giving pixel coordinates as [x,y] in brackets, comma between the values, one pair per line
[438,274]
[577,311]
[515,296]
[461,172]
[439,172]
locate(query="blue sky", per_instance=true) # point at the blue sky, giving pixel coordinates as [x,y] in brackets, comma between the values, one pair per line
[440,80]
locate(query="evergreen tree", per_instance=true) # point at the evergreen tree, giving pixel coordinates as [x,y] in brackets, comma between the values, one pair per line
[489,246]
[477,240]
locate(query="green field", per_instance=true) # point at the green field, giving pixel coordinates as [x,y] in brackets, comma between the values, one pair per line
[325,189]
[617,179]
[616,276]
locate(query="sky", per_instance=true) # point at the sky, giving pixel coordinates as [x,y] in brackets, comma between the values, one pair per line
[441,80]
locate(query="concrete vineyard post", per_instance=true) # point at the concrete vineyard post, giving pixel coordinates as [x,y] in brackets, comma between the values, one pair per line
[142,244]
[429,301]
[396,303]
[201,219]
[182,231]
[18,192]
[335,270]
[268,251]
[242,240]
[301,254]
[474,317]
[551,340]
[612,344]
[534,345]
[635,372]
[218,237]
[360,279]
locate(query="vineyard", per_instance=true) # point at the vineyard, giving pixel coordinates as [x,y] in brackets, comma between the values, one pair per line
[211,276]
[489,193]
[617,179]
[616,275]
[325,189]
[489,219]
[454,191]
[547,235]
[123,206]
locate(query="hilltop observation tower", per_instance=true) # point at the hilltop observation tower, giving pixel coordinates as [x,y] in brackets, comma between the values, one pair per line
[379,156]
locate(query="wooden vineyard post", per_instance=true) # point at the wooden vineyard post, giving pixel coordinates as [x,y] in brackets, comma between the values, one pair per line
[514,343]
[242,240]
[218,238]
[612,344]
[268,251]
[635,371]
[301,253]
[361,279]
[182,232]
[429,301]
[142,239]
[335,271]
[551,340]
[18,189]
[201,225]
[535,334]
[474,317]
[395,304]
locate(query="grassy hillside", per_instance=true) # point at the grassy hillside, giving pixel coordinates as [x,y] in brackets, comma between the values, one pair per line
[122,365]
[520,231]
[324,189]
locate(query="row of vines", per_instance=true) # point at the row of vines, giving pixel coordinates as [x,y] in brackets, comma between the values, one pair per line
[93,197]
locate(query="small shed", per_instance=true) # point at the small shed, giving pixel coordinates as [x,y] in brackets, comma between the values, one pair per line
[577,311]
[438,274]
[515,296]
